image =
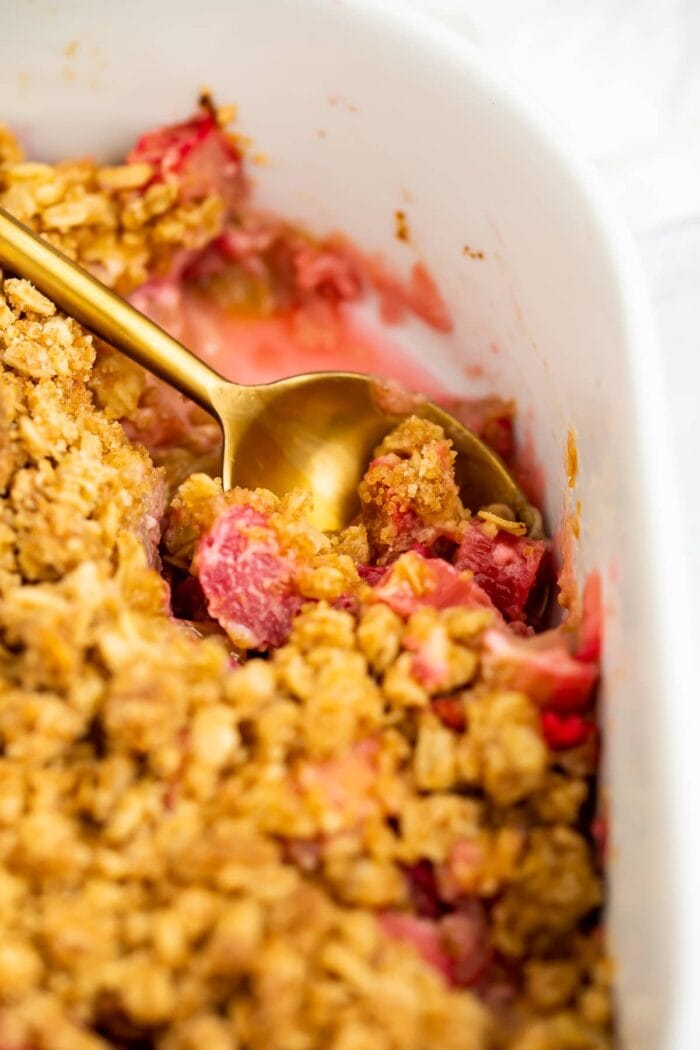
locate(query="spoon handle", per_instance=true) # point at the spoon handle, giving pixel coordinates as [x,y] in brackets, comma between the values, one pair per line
[103,312]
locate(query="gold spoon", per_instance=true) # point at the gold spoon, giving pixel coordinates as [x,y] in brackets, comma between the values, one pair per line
[315,431]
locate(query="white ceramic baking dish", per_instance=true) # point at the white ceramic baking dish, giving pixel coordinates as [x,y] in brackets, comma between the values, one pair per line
[363,109]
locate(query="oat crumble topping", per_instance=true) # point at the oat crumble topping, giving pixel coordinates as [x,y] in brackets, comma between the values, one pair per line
[260,787]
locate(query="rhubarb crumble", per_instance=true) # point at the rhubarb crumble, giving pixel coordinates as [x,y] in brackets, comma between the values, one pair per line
[264,788]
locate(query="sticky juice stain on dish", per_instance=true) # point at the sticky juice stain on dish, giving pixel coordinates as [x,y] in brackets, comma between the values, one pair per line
[341,102]
[571,458]
[402,231]
[566,542]
[259,349]
[474,371]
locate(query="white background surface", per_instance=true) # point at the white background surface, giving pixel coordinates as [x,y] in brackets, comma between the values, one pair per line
[622,79]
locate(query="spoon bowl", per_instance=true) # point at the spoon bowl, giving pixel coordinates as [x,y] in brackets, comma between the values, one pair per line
[314,432]
[318,432]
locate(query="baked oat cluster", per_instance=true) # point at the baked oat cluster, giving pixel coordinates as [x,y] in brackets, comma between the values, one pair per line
[262,787]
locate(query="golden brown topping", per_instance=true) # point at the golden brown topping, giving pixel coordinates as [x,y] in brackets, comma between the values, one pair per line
[557,869]
[195,853]
[103,218]
[409,493]
[503,749]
